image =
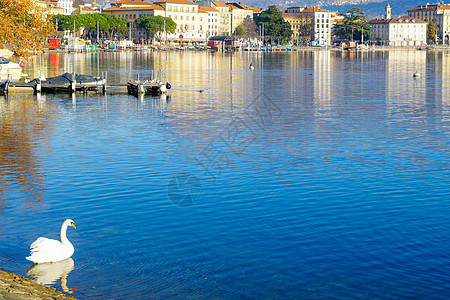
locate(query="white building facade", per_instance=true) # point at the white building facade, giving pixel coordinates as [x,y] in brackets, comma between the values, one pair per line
[212,20]
[402,31]
[439,14]
[67,5]
[321,23]
[191,24]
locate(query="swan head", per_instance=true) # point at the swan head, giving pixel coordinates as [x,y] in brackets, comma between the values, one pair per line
[69,222]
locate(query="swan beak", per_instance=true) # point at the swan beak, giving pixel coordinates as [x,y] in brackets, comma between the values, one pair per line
[73,225]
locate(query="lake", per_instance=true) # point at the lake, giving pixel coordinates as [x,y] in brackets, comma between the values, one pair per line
[319,174]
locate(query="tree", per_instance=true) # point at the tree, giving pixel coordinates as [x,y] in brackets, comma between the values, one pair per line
[431,33]
[353,25]
[155,26]
[274,24]
[116,25]
[239,31]
[107,24]
[250,28]
[25,26]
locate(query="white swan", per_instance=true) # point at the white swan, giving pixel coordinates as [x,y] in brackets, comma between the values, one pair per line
[46,250]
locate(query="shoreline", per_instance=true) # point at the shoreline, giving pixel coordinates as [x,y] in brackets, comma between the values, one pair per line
[275,49]
[16,287]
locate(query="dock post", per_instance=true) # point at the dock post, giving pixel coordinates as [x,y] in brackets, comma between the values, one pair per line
[6,87]
[74,82]
[140,89]
[163,88]
[104,85]
[38,86]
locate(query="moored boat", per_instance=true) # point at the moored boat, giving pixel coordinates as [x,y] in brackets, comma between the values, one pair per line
[9,70]
[66,82]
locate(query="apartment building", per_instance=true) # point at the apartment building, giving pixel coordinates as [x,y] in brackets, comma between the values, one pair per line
[191,23]
[401,31]
[224,16]
[52,7]
[67,5]
[439,14]
[212,18]
[133,9]
[195,21]
[311,22]
[239,13]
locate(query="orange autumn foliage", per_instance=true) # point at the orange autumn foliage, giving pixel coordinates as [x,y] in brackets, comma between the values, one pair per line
[25,26]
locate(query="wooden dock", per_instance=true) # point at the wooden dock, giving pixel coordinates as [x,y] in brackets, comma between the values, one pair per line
[49,86]
[146,88]
[6,87]
[155,85]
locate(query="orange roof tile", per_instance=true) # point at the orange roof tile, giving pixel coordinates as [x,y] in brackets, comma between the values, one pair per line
[218,3]
[83,9]
[146,7]
[430,7]
[206,9]
[130,2]
[249,7]
[176,2]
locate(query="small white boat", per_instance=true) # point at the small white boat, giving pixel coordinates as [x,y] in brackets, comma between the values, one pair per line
[9,70]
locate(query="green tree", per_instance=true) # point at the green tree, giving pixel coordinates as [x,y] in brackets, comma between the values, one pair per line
[274,24]
[431,33]
[239,31]
[116,25]
[354,25]
[154,26]
[108,24]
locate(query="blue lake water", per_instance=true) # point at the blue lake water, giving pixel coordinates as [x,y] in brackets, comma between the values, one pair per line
[317,175]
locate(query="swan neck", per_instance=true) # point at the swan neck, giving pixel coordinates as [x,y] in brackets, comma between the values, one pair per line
[64,239]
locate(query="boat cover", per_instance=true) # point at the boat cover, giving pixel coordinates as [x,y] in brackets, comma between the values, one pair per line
[66,78]
[4,60]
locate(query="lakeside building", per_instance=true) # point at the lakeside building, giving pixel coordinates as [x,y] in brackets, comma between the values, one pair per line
[224,16]
[309,24]
[133,9]
[191,22]
[439,14]
[195,21]
[52,6]
[231,15]
[85,9]
[67,5]
[212,24]
[239,13]
[402,31]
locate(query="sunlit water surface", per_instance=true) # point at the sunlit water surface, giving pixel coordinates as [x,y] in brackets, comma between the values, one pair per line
[317,175]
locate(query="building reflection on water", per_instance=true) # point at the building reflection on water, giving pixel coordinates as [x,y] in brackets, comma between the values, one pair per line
[24,122]
[213,88]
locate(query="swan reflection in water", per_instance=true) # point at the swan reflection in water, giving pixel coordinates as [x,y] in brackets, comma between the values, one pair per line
[49,273]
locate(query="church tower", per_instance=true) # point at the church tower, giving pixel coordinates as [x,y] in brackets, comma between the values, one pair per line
[388,12]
